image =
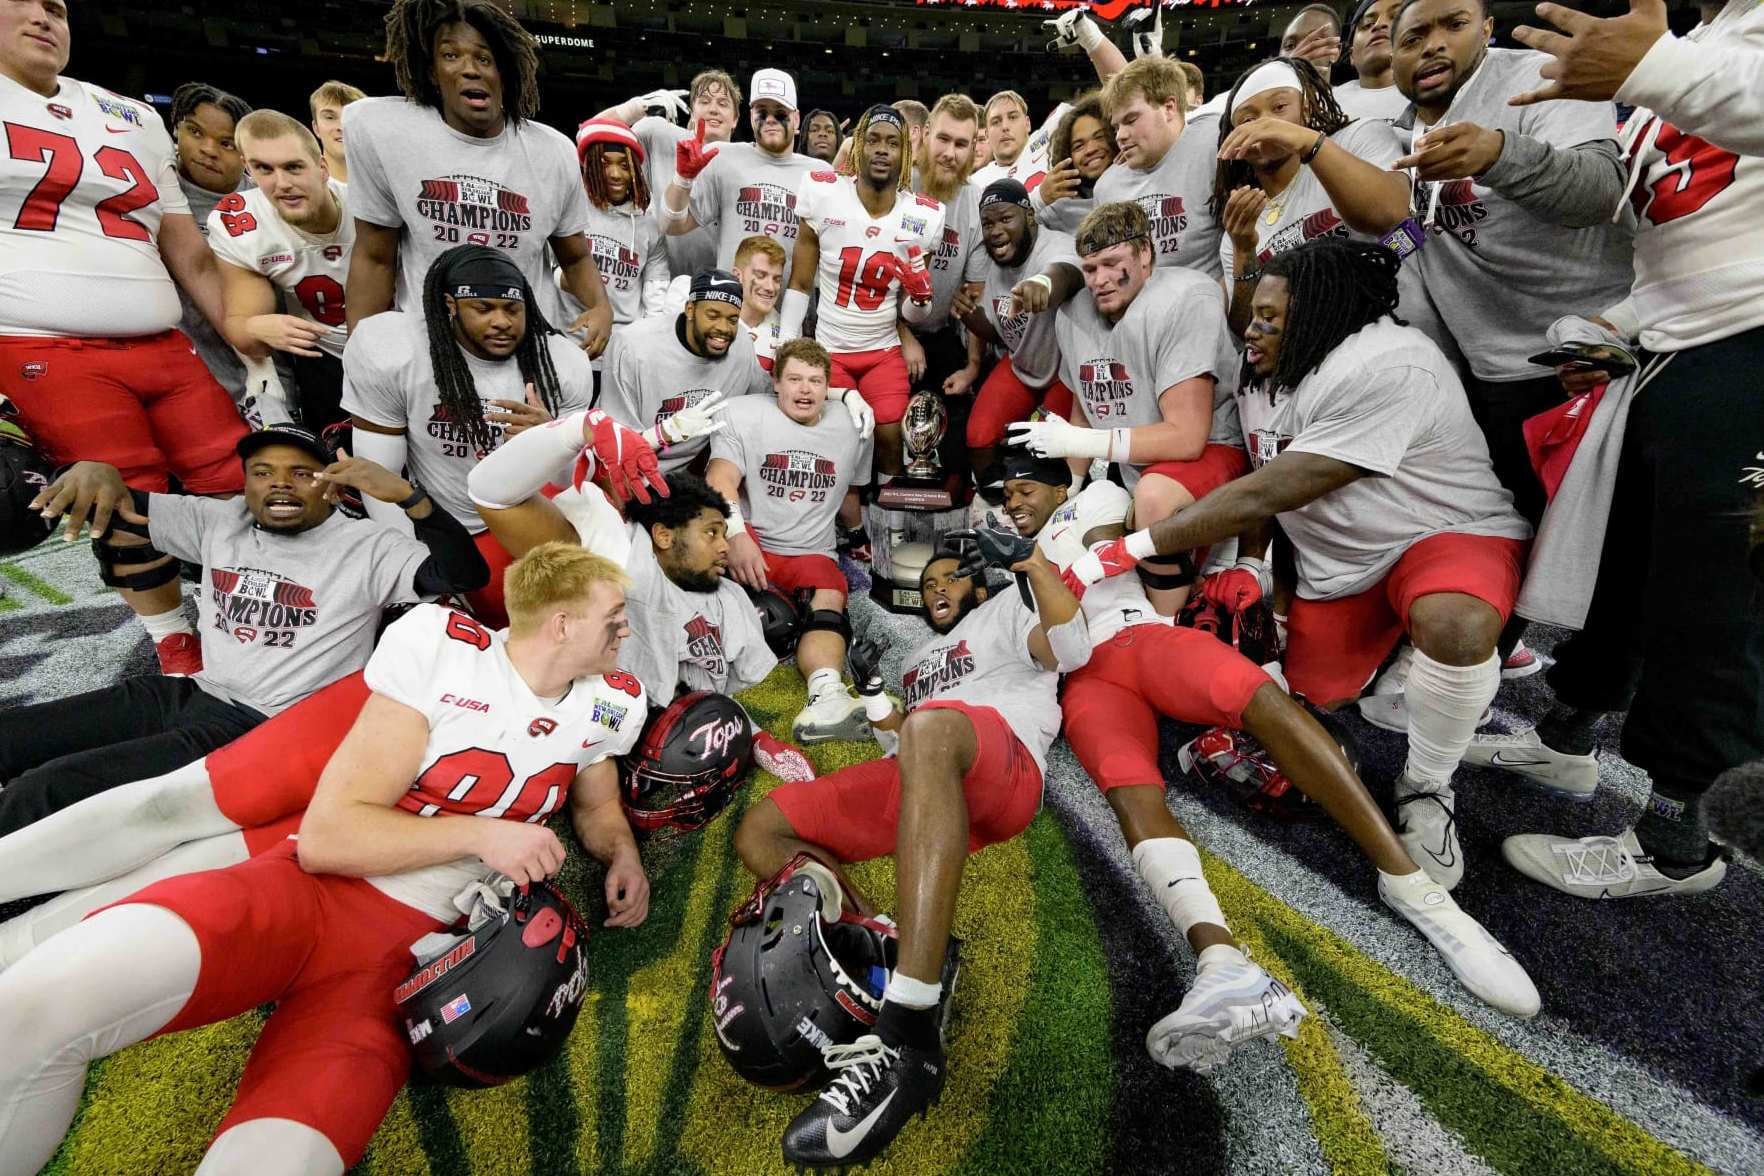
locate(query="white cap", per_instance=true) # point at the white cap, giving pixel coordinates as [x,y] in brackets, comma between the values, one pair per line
[774,84]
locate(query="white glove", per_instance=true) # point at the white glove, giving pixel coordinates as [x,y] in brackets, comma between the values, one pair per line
[689,424]
[1147,42]
[862,415]
[265,398]
[1054,437]
[672,101]
[1072,28]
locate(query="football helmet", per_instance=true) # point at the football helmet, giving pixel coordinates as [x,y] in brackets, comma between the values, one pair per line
[780,620]
[1250,632]
[685,769]
[1238,761]
[23,475]
[499,1001]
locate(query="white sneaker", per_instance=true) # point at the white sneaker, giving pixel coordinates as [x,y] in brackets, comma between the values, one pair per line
[1390,709]
[835,714]
[1522,663]
[1228,1004]
[1602,867]
[1396,675]
[1427,825]
[1524,754]
[1475,957]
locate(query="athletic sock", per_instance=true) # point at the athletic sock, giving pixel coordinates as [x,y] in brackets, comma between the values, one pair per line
[1219,953]
[1674,831]
[822,680]
[1445,704]
[1171,869]
[1569,729]
[159,626]
[909,1012]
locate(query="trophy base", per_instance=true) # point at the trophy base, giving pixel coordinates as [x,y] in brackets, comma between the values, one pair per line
[903,492]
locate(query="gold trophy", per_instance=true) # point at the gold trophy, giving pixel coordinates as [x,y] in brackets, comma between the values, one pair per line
[924,485]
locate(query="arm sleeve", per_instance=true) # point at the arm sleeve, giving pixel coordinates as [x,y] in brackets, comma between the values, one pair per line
[403,663]
[165,172]
[370,388]
[388,450]
[1370,424]
[452,563]
[234,250]
[176,523]
[809,191]
[370,198]
[1573,186]
[1715,91]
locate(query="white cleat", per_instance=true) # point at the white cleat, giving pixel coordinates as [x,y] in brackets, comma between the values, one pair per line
[1602,867]
[1475,957]
[1522,663]
[1524,754]
[833,715]
[1427,825]
[1227,1005]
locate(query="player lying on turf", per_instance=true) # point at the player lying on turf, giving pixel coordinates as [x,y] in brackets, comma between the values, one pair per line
[980,714]
[410,813]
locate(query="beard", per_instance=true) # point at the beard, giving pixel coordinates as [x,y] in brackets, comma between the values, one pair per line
[690,581]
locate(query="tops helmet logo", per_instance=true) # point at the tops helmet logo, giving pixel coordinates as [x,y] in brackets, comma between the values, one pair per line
[539,728]
[715,735]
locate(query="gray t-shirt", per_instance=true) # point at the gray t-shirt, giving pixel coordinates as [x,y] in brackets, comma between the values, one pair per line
[283,615]
[1386,400]
[744,191]
[1174,330]
[697,250]
[793,476]
[1064,215]
[1035,351]
[1174,194]
[1498,274]
[216,354]
[648,374]
[389,380]
[953,258]
[633,265]
[1356,101]
[409,170]
[1304,211]
[690,640]
[985,661]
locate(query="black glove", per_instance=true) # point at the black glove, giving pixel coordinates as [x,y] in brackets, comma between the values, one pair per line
[996,546]
[865,658]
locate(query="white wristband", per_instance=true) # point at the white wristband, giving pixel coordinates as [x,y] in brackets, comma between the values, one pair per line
[1046,282]
[1140,545]
[736,524]
[1259,569]
[657,438]
[1121,444]
[1089,36]
[668,214]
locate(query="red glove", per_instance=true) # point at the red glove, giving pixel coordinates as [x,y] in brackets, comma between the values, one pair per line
[1233,589]
[1110,558]
[627,459]
[690,156]
[914,277]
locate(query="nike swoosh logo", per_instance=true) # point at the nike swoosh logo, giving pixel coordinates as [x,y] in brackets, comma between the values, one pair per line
[1179,881]
[1510,762]
[841,1143]
[119,130]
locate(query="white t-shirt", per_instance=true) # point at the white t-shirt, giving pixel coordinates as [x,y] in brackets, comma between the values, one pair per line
[744,192]
[85,181]
[860,295]
[1118,601]
[1174,193]
[1388,401]
[496,750]
[245,229]
[1356,101]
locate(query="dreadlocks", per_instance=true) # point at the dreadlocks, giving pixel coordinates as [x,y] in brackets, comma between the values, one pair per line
[905,182]
[1321,113]
[187,97]
[594,177]
[453,378]
[1335,286]
[411,26]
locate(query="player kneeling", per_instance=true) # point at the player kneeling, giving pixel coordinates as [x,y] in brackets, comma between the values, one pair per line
[981,712]
[411,812]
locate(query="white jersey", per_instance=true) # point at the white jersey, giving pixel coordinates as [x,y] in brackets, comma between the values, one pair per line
[84,183]
[495,749]
[860,295]
[1031,163]
[245,229]
[1118,601]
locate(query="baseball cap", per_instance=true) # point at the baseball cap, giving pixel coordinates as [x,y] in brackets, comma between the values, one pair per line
[773,84]
[305,440]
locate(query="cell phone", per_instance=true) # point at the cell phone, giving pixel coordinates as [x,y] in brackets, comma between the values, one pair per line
[1606,357]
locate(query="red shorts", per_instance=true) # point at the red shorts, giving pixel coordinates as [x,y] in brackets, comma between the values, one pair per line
[1111,706]
[880,378]
[328,951]
[486,602]
[1217,465]
[1004,398]
[147,406]
[269,773]
[1333,646]
[854,813]
[790,574]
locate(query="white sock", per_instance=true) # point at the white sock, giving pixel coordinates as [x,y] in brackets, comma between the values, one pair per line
[1445,703]
[1171,867]
[159,626]
[1219,953]
[903,990]
[822,680]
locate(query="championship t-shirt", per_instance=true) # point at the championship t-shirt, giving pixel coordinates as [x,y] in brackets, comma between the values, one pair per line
[648,374]
[690,252]
[1111,604]
[633,264]
[388,380]
[860,294]
[1388,401]
[246,230]
[793,476]
[281,616]
[1174,193]
[958,242]
[1030,338]
[744,192]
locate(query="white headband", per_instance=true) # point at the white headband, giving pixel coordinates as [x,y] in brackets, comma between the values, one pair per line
[1270,75]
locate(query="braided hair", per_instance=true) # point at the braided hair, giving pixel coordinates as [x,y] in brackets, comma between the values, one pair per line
[905,182]
[1336,286]
[594,177]
[454,385]
[1316,101]
[187,97]
[411,26]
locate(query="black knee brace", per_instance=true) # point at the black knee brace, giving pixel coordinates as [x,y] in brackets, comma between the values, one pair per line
[109,555]
[1180,575]
[829,619]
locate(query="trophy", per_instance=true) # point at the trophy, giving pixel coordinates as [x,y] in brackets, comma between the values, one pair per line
[914,508]
[923,486]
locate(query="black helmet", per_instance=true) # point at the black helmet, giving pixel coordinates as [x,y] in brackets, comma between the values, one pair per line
[779,619]
[685,769]
[788,982]
[1250,632]
[499,1002]
[1240,763]
[23,475]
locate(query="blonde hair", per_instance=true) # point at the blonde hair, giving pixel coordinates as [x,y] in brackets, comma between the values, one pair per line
[913,111]
[1006,96]
[273,124]
[716,77]
[334,93]
[764,246]
[552,576]
[1156,79]
[958,106]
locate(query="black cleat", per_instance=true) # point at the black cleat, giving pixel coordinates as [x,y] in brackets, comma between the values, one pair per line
[877,1089]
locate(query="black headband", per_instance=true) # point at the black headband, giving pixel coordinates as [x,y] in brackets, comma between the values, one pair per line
[886,114]
[477,271]
[1006,191]
[717,286]
[1021,465]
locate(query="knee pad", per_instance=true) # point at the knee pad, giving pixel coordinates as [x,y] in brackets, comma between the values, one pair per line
[830,620]
[110,555]
[1170,571]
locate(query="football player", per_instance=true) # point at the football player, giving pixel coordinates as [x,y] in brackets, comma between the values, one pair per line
[293,593]
[1015,152]
[1367,457]
[326,104]
[439,388]
[1148,357]
[941,167]
[788,460]
[1314,35]
[411,813]
[980,713]
[625,237]
[916,114]
[291,233]
[466,69]
[820,136]
[863,241]
[1373,93]
[759,266]
[1142,666]
[1082,147]
[95,263]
